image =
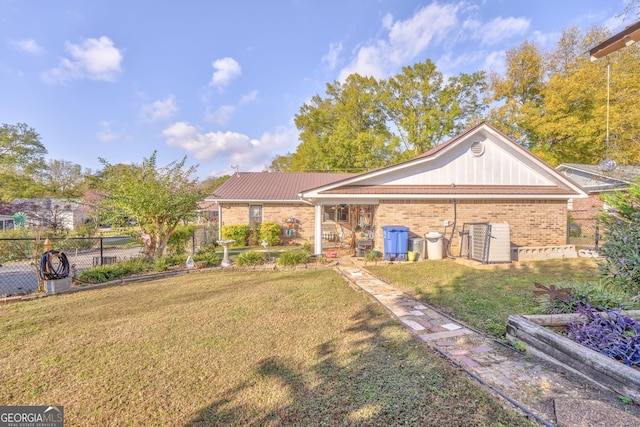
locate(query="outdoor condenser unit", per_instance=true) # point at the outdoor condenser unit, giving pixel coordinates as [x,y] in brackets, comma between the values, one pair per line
[486,242]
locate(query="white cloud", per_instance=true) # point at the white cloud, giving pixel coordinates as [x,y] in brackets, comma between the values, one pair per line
[159,110]
[331,58]
[495,62]
[95,59]
[28,45]
[220,116]
[405,41]
[106,134]
[226,69]
[232,147]
[249,97]
[498,29]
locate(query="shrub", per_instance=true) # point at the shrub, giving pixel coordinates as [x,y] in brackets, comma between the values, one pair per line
[293,258]
[622,239]
[177,244]
[251,258]
[610,333]
[597,294]
[270,233]
[308,247]
[109,272]
[239,233]
[208,253]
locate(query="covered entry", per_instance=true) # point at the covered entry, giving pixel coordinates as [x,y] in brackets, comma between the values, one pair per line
[344,226]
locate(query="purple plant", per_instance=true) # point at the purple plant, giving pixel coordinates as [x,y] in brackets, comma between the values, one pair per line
[610,333]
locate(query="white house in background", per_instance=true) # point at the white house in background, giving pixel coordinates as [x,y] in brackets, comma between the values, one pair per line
[60,214]
[6,222]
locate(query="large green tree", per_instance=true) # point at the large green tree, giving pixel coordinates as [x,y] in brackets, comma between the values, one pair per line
[364,123]
[63,179]
[424,109]
[344,131]
[158,198]
[21,159]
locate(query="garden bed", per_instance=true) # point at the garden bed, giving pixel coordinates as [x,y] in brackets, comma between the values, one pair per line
[541,341]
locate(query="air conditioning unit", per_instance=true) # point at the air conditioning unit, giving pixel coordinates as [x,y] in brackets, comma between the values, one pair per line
[486,242]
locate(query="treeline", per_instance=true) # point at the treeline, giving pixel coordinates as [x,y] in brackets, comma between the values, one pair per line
[556,103]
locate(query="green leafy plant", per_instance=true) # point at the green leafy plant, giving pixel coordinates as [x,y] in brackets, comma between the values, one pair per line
[625,399]
[110,272]
[181,236]
[371,256]
[270,233]
[238,232]
[208,253]
[293,258]
[621,223]
[251,258]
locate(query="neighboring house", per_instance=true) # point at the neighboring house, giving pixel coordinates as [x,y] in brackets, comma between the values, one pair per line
[58,214]
[479,176]
[595,182]
[6,222]
[618,41]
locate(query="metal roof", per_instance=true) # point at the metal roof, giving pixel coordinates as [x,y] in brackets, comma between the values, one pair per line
[276,186]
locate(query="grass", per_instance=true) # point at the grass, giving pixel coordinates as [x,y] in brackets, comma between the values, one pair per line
[484,298]
[231,348]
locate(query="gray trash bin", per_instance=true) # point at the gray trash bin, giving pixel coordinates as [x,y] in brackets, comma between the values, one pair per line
[416,244]
[434,244]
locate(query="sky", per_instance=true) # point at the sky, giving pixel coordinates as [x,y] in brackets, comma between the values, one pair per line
[220,82]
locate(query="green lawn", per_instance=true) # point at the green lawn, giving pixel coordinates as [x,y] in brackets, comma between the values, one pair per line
[232,348]
[484,298]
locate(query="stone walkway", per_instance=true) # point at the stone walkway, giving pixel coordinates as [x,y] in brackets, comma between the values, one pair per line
[544,393]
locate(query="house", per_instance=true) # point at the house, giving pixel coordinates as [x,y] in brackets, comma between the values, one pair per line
[626,37]
[478,177]
[256,197]
[596,180]
[59,214]
[6,222]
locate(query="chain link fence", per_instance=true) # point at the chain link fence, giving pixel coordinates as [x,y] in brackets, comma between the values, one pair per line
[584,232]
[20,257]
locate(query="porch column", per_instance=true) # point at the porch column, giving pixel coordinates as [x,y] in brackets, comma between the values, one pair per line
[317,240]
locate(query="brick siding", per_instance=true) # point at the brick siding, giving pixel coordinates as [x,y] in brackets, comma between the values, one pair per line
[532,222]
[238,213]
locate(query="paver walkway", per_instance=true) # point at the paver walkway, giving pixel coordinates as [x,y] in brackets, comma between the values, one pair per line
[545,393]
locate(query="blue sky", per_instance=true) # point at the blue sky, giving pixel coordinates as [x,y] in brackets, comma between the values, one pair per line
[221,81]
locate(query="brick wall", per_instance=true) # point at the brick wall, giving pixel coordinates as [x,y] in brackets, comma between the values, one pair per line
[589,207]
[238,213]
[532,222]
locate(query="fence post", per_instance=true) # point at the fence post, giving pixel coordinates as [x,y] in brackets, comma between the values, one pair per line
[597,236]
[101,251]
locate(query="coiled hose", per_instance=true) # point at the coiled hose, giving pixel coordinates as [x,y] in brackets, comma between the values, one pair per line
[54,265]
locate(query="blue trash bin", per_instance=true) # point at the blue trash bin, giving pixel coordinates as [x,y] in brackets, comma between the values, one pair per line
[396,242]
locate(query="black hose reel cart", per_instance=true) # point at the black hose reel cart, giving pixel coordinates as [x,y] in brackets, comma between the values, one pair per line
[54,271]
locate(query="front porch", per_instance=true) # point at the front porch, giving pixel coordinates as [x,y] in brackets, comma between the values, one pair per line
[346,227]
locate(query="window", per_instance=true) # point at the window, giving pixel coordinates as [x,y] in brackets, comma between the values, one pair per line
[255,215]
[339,213]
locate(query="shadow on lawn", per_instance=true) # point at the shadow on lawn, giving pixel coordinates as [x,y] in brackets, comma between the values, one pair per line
[382,378]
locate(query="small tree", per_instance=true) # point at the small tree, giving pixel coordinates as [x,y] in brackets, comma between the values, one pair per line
[622,239]
[157,198]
